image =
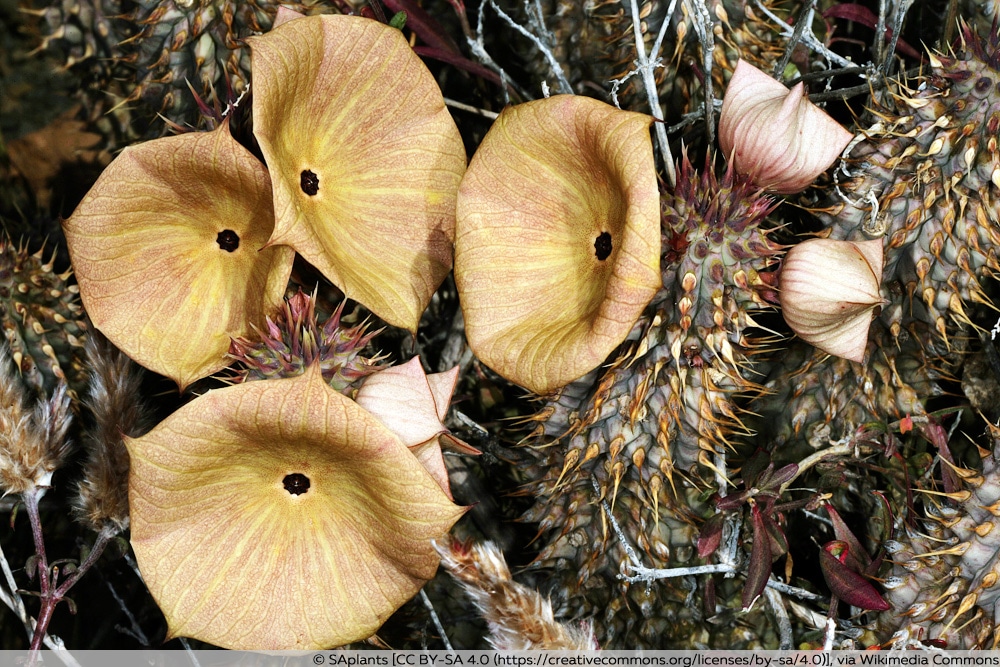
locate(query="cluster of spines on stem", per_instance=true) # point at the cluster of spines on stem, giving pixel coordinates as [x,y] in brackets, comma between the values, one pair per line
[641,434]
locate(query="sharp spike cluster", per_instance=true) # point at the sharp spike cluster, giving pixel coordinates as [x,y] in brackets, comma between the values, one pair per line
[647,425]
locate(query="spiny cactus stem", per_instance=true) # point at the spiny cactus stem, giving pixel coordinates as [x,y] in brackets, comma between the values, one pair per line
[645,67]
[437,621]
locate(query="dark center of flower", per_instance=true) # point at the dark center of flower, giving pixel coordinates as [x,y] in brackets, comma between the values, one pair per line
[228,240]
[602,246]
[309,182]
[296,483]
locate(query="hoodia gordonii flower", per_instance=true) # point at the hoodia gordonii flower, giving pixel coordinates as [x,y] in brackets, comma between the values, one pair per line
[828,291]
[558,238]
[280,514]
[776,136]
[364,158]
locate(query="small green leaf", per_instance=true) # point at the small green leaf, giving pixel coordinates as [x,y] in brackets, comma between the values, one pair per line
[398,21]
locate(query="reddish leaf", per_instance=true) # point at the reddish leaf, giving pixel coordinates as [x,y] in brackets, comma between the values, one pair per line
[847,584]
[733,501]
[755,465]
[459,61]
[759,569]
[866,17]
[710,536]
[776,536]
[885,516]
[937,436]
[782,475]
[858,558]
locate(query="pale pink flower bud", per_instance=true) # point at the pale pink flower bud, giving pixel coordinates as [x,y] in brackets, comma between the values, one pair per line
[829,290]
[776,136]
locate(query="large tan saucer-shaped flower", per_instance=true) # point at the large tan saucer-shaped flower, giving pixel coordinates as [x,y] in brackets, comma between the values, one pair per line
[279,514]
[167,249]
[365,159]
[558,238]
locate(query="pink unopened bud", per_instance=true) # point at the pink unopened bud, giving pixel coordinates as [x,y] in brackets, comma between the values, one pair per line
[828,291]
[776,136]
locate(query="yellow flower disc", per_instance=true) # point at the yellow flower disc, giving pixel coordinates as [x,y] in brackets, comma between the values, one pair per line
[557,244]
[279,514]
[168,250]
[364,157]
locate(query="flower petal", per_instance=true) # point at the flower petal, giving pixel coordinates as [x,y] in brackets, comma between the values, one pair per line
[364,157]
[279,515]
[558,242]
[401,398]
[168,249]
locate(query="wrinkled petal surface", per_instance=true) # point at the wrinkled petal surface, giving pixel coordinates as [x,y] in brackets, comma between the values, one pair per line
[365,158]
[776,136]
[279,514]
[558,238]
[167,250]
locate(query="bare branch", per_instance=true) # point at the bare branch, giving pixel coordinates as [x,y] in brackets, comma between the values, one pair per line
[540,44]
[897,27]
[808,38]
[645,68]
[436,621]
[805,19]
[705,29]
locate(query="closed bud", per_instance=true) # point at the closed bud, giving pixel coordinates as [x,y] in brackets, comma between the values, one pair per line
[776,136]
[829,290]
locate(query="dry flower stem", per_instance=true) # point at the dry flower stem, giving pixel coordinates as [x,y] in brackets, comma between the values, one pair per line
[52,593]
[436,621]
[539,43]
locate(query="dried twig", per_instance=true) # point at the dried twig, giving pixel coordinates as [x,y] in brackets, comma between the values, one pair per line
[645,69]
[454,104]
[705,29]
[436,621]
[539,43]
[777,606]
[808,38]
[885,63]
[805,19]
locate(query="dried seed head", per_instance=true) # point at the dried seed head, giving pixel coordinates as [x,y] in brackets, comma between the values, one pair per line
[32,440]
[102,494]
